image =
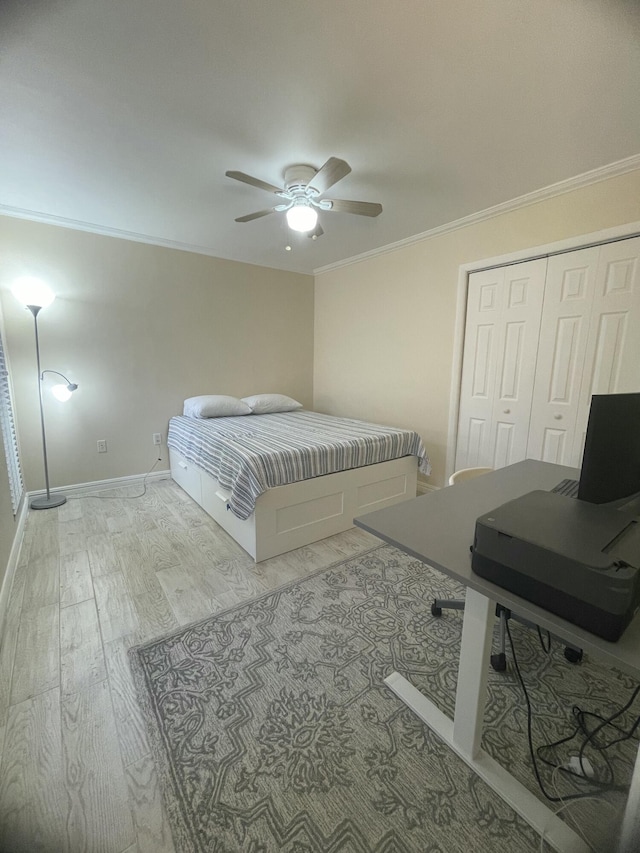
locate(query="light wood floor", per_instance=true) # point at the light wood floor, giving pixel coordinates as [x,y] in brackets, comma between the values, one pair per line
[97,576]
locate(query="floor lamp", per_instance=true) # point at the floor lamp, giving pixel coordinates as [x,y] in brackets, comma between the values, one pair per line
[35,295]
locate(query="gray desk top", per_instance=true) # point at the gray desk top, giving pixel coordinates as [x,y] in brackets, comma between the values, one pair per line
[438,529]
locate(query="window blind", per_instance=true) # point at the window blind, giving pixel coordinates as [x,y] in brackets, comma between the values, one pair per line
[10,440]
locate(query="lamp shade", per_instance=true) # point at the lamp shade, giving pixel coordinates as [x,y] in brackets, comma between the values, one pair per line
[61,392]
[302,217]
[32,291]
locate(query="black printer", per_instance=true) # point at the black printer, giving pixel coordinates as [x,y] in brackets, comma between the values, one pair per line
[573,558]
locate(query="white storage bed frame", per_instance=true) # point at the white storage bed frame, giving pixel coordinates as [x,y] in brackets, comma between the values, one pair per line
[288,517]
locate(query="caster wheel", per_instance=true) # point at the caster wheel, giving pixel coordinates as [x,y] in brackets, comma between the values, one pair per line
[435,610]
[499,662]
[573,655]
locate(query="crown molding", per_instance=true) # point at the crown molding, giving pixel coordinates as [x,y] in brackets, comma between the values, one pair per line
[613,170]
[118,233]
[102,230]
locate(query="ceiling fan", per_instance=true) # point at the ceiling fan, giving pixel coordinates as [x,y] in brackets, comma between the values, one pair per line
[303,188]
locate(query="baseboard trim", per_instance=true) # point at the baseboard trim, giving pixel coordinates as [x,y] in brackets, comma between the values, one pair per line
[12,564]
[103,485]
[424,488]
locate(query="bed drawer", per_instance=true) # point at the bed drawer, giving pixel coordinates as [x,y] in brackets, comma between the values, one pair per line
[186,475]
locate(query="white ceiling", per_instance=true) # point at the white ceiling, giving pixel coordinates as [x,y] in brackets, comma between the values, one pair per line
[124,115]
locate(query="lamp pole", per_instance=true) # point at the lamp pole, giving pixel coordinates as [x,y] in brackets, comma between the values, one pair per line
[48,501]
[35,294]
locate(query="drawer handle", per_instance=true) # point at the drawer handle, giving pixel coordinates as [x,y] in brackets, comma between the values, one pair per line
[558,417]
[507,411]
[221,496]
[182,465]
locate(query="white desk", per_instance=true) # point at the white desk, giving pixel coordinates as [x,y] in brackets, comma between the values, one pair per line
[438,529]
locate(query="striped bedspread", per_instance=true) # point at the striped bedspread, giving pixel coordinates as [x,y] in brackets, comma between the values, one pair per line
[253,453]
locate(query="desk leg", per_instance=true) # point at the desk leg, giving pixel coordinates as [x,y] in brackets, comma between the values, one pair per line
[464,733]
[473,671]
[630,835]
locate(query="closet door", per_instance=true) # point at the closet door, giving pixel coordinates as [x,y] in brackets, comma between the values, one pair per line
[484,308]
[561,356]
[612,358]
[504,308]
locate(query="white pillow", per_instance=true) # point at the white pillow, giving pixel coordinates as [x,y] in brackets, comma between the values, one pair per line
[214,406]
[266,404]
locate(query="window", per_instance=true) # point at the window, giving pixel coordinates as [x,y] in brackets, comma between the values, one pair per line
[10,440]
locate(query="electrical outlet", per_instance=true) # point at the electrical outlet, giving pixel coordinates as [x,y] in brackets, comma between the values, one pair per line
[157,438]
[102,445]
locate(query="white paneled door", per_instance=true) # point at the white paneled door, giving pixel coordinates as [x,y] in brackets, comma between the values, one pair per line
[504,308]
[612,359]
[561,355]
[484,307]
[541,338]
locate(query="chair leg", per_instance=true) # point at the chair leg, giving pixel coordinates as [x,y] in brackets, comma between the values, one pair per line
[440,604]
[499,660]
[572,654]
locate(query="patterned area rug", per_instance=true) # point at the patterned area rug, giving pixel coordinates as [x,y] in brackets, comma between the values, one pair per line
[274,733]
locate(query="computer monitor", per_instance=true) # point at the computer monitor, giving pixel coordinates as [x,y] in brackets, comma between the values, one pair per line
[611,460]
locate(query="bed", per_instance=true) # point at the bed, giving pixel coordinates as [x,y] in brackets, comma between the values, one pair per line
[279,481]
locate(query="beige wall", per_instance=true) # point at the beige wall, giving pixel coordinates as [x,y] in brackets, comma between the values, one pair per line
[384,326]
[139,328]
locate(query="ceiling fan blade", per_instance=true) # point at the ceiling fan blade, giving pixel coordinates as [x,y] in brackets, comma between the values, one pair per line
[362,208]
[318,231]
[329,174]
[254,182]
[256,215]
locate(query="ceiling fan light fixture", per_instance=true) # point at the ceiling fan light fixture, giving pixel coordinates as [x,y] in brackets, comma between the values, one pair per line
[304,187]
[302,217]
